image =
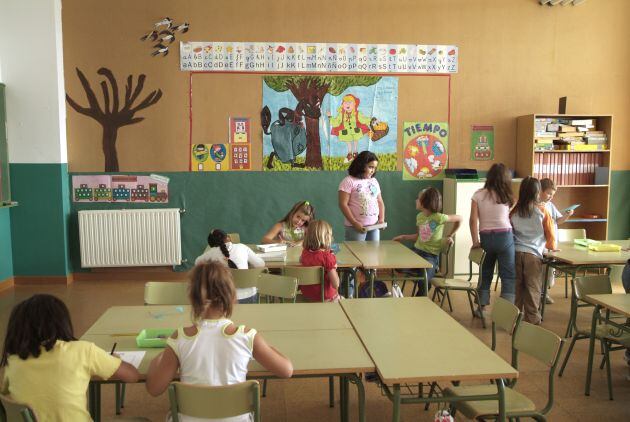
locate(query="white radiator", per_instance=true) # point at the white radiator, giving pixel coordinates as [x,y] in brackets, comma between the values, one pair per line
[129,238]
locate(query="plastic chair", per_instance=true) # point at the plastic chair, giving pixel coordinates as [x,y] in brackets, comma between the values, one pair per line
[235,237]
[444,285]
[277,286]
[244,279]
[533,340]
[166,293]
[505,316]
[14,411]
[307,276]
[593,285]
[202,401]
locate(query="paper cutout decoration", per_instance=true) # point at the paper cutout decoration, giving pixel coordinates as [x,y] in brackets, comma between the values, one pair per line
[119,114]
[118,188]
[482,143]
[210,157]
[164,32]
[239,130]
[240,156]
[426,150]
[322,121]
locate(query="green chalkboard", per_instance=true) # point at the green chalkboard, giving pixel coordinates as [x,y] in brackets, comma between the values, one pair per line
[249,203]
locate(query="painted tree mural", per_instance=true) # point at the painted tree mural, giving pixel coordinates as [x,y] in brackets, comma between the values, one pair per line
[310,92]
[111,116]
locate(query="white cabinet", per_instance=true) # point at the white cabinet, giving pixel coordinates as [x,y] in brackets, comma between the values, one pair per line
[457,195]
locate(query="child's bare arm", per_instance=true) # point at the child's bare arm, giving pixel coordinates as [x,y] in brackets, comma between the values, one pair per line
[564,217]
[161,372]
[272,235]
[271,359]
[381,209]
[126,372]
[456,220]
[333,276]
[400,237]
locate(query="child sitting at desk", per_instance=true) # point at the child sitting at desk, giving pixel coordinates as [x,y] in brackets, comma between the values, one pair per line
[317,252]
[233,255]
[428,237]
[290,229]
[213,351]
[47,368]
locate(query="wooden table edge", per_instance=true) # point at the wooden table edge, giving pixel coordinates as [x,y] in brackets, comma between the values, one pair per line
[483,377]
[593,301]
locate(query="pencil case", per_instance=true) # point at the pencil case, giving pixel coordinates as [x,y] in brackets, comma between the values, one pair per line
[605,247]
[586,242]
[154,337]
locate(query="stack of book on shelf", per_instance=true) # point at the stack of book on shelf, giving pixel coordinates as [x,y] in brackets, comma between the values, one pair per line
[272,252]
[568,135]
[567,169]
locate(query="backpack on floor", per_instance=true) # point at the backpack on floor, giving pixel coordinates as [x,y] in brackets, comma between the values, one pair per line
[380,289]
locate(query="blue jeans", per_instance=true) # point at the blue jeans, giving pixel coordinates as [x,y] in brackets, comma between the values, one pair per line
[499,247]
[415,272]
[353,234]
[251,299]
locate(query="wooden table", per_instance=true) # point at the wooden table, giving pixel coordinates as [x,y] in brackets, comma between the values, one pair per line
[580,257]
[387,254]
[307,333]
[345,258]
[412,340]
[616,302]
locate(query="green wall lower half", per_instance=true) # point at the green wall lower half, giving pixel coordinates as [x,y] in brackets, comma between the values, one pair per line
[39,224]
[619,224]
[6,253]
[249,203]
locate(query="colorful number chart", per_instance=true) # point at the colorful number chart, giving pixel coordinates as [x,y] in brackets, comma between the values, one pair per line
[119,188]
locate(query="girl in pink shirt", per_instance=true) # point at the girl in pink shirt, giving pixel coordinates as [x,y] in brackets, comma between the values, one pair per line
[491,230]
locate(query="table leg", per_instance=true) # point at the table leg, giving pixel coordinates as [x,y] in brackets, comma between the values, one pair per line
[591,350]
[91,400]
[426,283]
[94,396]
[346,396]
[543,299]
[372,276]
[356,379]
[501,392]
[396,403]
[342,401]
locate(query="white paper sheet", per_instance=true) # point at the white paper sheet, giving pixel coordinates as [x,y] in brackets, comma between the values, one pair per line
[133,358]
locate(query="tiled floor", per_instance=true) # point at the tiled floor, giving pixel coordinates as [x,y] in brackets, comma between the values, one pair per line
[307,399]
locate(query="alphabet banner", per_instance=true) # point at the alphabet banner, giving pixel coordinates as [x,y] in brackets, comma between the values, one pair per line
[268,57]
[426,150]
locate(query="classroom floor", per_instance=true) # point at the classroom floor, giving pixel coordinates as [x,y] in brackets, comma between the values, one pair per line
[307,399]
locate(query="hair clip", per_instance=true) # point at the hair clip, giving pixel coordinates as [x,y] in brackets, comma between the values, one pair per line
[307,203]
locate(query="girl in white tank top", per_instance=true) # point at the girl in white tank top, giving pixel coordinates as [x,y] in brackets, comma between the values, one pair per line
[213,351]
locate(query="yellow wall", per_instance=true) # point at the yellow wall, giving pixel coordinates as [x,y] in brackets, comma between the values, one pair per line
[515,57]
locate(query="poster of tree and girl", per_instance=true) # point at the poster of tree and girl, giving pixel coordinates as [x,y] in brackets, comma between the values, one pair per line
[323,122]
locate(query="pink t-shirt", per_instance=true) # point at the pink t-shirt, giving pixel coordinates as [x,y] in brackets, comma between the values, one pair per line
[363,201]
[492,216]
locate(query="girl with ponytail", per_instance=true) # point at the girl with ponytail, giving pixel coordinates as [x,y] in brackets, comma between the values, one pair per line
[233,255]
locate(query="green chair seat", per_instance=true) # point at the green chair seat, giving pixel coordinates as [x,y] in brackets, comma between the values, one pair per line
[515,402]
[452,283]
[603,331]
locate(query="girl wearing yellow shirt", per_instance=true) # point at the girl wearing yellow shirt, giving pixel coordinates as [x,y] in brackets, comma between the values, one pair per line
[47,368]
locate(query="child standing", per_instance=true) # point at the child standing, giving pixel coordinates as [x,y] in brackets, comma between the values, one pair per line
[491,230]
[291,228]
[317,253]
[428,238]
[360,198]
[233,255]
[213,351]
[533,231]
[548,188]
[47,368]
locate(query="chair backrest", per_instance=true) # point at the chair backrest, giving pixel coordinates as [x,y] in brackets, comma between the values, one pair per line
[505,316]
[444,258]
[202,401]
[477,255]
[166,293]
[15,412]
[280,286]
[568,235]
[615,275]
[306,275]
[235,237]
[244,279]
[592,285]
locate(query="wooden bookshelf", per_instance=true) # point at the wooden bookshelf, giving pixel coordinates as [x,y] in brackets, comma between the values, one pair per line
[573,187]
